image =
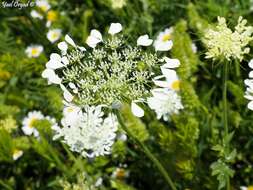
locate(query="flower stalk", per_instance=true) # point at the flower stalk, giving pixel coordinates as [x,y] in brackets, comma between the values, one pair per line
[148,153]
[225,108]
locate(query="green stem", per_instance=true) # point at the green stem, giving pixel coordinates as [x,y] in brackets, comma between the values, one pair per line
[147,152]
[225,107]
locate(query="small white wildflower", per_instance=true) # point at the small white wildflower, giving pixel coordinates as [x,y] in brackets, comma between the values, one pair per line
[43,5]
[88,131]
[28,123]
[120,173]
[53,35]
[144,41]
[115,28]
[17,154]
[222,42]
[34,50]
[163,41]
[165,102]
[98,182]
[171,79]
[35,14]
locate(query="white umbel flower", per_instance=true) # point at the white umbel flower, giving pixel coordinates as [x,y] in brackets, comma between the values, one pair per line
[53,35]
[223,43]
[16,154]
[163,41]
[28,123]
[87,131]
[165,102]
[34,50]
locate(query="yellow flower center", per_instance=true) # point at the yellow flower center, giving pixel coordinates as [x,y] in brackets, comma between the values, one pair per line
[34,51]
[51,16]
[55,35]
[176,85]
[250,188]
[31,123]
[69,110]
[166,37]
[120,174]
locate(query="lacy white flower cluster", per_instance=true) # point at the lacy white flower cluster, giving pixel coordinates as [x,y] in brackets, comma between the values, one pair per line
[106,74]
[28,122]
[249,89]
[87,131]
[222,42]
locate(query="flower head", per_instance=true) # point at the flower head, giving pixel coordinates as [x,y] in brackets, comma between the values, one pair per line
[163,41]
[34,50]
[29,121]
[222,42]
[87,130]
[165,102]
[53,35]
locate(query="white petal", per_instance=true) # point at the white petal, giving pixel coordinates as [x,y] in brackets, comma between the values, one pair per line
[47,72]
[251,74]
[51,76]
[67,95]
[171,63]
[115,28]
[163,46]
[65,60]
[81,48]
[96,34]
[70,41]
[144,41]
[54,65]
[250,105]
[251,63]
[63,46]
[137,110]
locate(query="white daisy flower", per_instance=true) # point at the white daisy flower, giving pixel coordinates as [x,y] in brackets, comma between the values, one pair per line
[17,154]
[171,78]
[163,41]
[35,14]
[53,35]
[43,5]
[28,123]
[165,102]
[144,41]
[34,50]
[88,131]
